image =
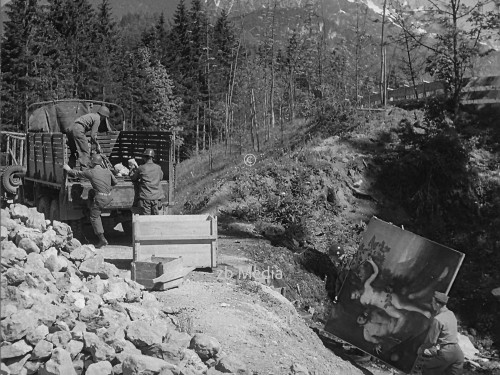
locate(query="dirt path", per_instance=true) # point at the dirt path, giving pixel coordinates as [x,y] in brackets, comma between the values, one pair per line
[252,321]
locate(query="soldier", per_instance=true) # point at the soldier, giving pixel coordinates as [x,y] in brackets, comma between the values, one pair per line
[101,180]
[89,122]
[440,348]
[148,178]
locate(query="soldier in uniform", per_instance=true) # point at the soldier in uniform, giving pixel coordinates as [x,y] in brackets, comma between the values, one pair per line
[101,180]
[83,124]
[440,349]
[148,179]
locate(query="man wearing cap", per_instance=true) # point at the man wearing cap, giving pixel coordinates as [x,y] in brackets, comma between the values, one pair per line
[148,179]
[101,180]
[83,124]
[440,349]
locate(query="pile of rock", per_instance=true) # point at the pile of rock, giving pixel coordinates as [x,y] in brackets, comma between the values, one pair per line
[66,311]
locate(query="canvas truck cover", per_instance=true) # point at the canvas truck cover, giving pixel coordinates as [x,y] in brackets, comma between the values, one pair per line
[57,117]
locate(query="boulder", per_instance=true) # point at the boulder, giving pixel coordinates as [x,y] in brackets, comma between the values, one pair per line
[16,349]
[7,309]
[56,263]
[166,351]
[192,364]
[74,347]
[19,211]
[82,253]
[28,245]
[11,254]
[33,234]
[99,350]
[71,245]
[142,365]
[62,229]
[142,334]
[59,364]
[231,364]
[15,276]
[32,367]
[16,326]
[60,339]
[298,369]
[43,349]
[15,365]
[100,368]
[98,267]
[38,334]
[4,233]
[35,220]
[205,346]
[51,239]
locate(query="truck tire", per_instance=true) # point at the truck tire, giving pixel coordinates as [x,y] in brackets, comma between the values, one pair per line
[12,178]
[54,210]
[44,206]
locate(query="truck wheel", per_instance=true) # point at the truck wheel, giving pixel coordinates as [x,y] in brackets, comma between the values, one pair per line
[54,210]
[12,178]
[44,206]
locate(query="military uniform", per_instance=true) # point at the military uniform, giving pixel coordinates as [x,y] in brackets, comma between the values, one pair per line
[100,197]
[77,138]
[444,354]
[148,181]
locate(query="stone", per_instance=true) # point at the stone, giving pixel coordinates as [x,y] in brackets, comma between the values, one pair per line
[35,220]
[16,349]
[28,245]
[142,334]
[16,365]
[231,364]
[166,351]
[47,253]
[96,285]
[15,276]
[60,339]
[51,239]
[205,346]
[72,245]
[34,235]
[128,349]
[33,261]
[496,293]
[192,364]
[56,263]
[62,229]
[4,233]
[94,267]
[19,211]
[75,300]
[32,367]
[43,349]
[16,326]
[38,334]
[100,368]
[82,253]
[99,350]
[58,364]
[136,312]
[4,369]
[74,347]
[7,309]
[142,365]
[11,254]
[117,369]
[180,339]
[78,330]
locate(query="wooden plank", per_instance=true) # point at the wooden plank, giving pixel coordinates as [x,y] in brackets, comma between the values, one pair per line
[177,238]
[194,255]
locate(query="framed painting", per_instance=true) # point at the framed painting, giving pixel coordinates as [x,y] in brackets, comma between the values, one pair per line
[383,307]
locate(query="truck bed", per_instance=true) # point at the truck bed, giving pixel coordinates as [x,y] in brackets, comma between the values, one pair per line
[48,152]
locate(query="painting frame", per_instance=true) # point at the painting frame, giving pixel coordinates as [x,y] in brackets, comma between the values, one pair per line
[383,307]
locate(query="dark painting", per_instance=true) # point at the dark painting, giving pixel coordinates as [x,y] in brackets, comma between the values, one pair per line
[384,306]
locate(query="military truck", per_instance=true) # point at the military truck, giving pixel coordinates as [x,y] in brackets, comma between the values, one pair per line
[46,186]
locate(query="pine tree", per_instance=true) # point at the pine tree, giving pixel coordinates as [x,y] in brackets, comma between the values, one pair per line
[105,59]
[16,59]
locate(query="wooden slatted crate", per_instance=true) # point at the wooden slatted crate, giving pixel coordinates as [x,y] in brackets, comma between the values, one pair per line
[192,237]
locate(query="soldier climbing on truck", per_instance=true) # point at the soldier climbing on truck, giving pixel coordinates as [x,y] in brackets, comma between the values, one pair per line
[93,122]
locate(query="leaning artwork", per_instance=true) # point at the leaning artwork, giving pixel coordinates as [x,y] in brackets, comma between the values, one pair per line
[383,307]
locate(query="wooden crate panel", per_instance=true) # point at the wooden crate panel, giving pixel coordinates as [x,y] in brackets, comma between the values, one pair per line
[192,237]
